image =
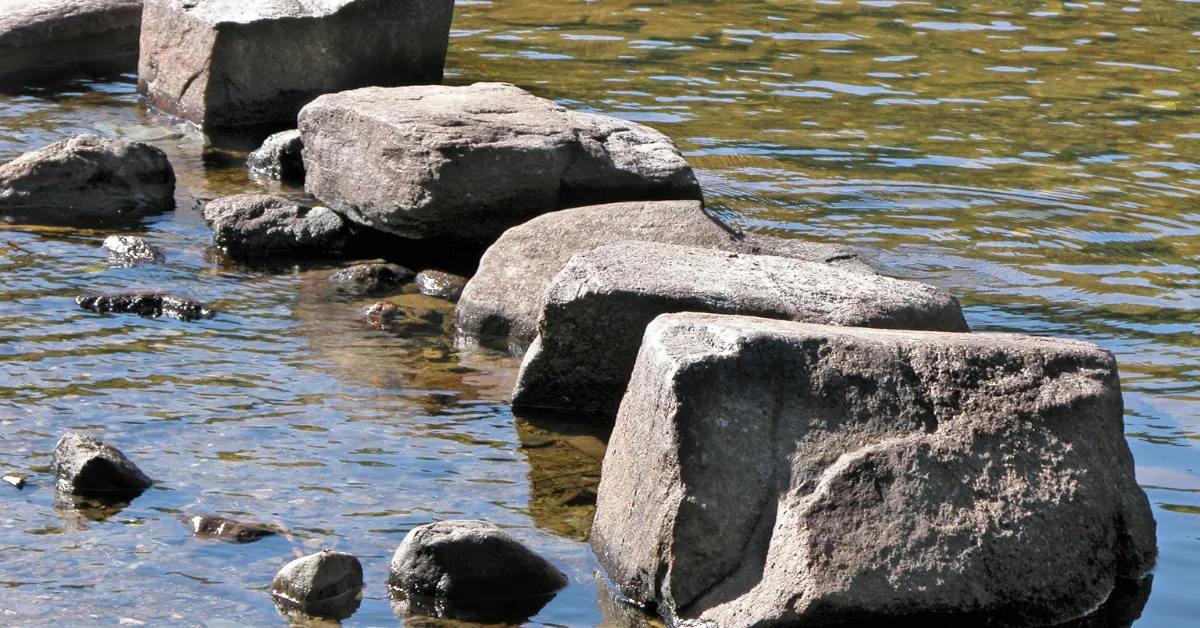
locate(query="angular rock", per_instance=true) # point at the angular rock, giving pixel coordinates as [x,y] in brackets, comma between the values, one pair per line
[83,465]
[147,304]
[766,472]
[221,64]
[279,157]
[504,298]
[41,35]
[470,561]
[435,283]
[86,179]
[16,481]
[318,579]
[597,308]
[470,162]
[261,225]
[132,250]
[225,529]
[370,278]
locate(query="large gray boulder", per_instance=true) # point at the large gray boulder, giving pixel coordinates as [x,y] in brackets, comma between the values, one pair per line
[596,309]
[470,162]
[83,465]
[221,63]
[504,298]
[41,35]
[261,225]
[87,180]
[765,472]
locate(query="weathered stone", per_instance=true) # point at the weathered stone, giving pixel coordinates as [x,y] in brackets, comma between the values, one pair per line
[765,472]
[279,157]
[86,179]
[261,225]
[41,35]
[221,63]
[83,465]
[147,304]
[596,309]
[132,251]
[318,579]
[469,562]
[225,529]
[370,278]
[470,162]
[504,298]
[436,283]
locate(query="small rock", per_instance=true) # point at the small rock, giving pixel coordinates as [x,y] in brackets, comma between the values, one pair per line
[84,465]
[279,157]
[15,480]
[318,578]
[398,318]
[259,225]
[370,278]
[132,250]
[436,283]
[147,304]
[225,529]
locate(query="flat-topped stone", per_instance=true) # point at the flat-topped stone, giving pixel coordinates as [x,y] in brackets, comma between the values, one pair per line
[37,36]
[230,63]
[470,162]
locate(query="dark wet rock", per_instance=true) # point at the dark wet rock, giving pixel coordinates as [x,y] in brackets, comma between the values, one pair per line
[261,225]
[324,579]
[327,614]
[504,297]
[470,162]
[87,180]
[436,283]
[225,529]
[132,250]
[371,278]
[147,304]
[18,482]
[228,64]
[427,612]
[1122,608]
[83,465]
[596,309]
[41,36]
[765,472]
[469,562]
[279,157]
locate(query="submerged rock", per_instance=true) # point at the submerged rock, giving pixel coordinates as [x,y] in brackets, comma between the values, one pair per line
[261,225]
[132,250]
[147,304]
[766,472]
[407,316]
[86,180]
[436,283]
[83,465]
[470,162]
[222,64]
[370,278]
[279,157]
[318,582]
[38,36]
[597,308]
[225,529]
[504,298]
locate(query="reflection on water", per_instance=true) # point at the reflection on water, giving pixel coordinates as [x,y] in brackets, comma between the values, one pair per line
[1035,158]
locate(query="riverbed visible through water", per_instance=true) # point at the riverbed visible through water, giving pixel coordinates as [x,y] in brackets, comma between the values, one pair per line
[1040,160]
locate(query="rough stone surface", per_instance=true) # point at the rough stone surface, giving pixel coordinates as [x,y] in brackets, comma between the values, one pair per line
[470,162]
[260,225]
[370,278]
[86,179]
[764,472]
[318,578]
[40,35]
[224,63]
[504,298]
[132,250]
[596,309]
[436,283]
[147,304]
[83,465]
[279,157]
[470,561]
[225,529]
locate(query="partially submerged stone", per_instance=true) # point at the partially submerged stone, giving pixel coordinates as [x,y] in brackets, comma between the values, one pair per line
[226,529]
[279,157]
[220,63]
[597,308]
[41,36]
[370,278]
[83,465]
[504,298]
[316,583]
[262,225]
[132,250]
[16,481]
[442,285]
[147,304]
[766,472]
[470,162]
[86,180]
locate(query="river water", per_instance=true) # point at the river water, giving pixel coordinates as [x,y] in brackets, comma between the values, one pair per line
[1037,159]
